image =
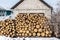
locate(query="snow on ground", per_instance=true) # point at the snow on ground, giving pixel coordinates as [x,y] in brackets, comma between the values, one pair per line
[2,18]
[7,38]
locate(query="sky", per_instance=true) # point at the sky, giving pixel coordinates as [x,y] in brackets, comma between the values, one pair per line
[7,4]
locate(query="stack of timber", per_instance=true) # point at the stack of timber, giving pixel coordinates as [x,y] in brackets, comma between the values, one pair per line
[26,25]
[32,25]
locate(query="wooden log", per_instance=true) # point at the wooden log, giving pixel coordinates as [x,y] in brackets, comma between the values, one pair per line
[35,30]
[26,34]
[23,34]
[42,34]
[34,34]
[30,34]
[37,26]
[27,31]
[40,30]
[47,32]
[38,34]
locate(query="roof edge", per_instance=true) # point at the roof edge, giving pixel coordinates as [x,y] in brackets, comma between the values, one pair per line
[39,0]
[47,4]
[17,4]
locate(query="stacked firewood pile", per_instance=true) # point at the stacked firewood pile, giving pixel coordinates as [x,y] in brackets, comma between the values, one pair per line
[32,25]
[7,28]
[1,28]
[26,25]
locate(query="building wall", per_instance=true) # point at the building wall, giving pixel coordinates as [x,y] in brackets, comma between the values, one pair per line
[33,6]
[47,13]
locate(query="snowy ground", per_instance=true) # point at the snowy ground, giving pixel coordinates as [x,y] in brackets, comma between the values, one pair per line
[12,16]
[7,38]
